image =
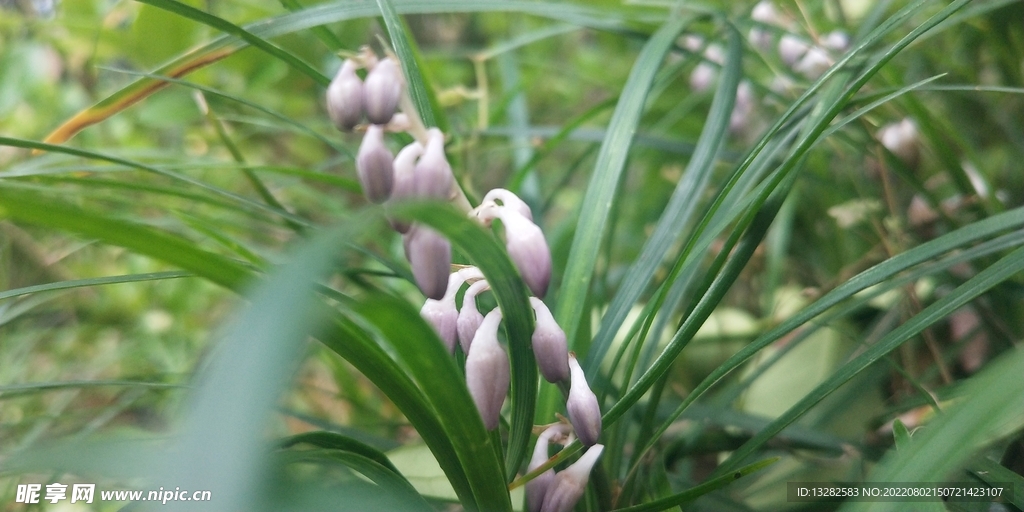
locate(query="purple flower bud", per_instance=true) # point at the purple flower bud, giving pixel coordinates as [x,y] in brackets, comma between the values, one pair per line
[538,487]
[510,200]
[345,97]
[469,316]
[433,174]
[570,483]
[431,257]
[403,182]
[702,76]
[487,370]
[584,411]
[442,314]
[375,165]
[549,344]
[527,248]
[382,91]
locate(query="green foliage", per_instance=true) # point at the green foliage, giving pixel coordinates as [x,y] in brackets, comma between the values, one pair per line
[194,293]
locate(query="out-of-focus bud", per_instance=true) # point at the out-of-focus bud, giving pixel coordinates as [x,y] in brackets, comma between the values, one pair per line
[510,200]
[431,257]
[837,41]
[743,108]
[549,344]
[692,42]
[375,165]
[382,91]
[763,12]
[814,63]
[901,138]
[702,76]
[442,314]
[404,182]
[569,484]
[792,48]
[528,249]
[345,97]
[584,411]
[487,370]
[538,487]
[469,316]
[433,174]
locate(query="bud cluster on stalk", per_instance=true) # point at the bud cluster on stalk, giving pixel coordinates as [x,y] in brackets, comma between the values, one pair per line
[420,170]
[558,491]
[771,30]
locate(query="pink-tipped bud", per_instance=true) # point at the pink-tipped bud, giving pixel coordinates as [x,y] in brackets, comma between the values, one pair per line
[549,344]
[570,483]
[382,91]
[469,316]
[431,257]
[375,165]
[487,370]
[584,411]
[345,97]
[442,314]
[792,48]
[510,200]
[537,488]
[433,174]
[404,183]
[528,250]
[742,108]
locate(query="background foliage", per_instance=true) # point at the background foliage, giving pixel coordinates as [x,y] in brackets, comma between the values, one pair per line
[195,293]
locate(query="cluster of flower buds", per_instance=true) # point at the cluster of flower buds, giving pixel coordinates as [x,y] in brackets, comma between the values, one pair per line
[487,368]
[420,170]
[558,492]
[349,98]
[802,56]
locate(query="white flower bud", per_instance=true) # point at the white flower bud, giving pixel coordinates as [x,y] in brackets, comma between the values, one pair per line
[442,314]
[537,488]
[469,316]
[569,484]
[837,41]
[549,344]
[528,249]
[692,42]
[404,183]
[763,12]
[814,63]
[433,175]
[510,200]
[702,76]
[791,48]
[584,411]
[901,138]
[431,257]
[487,370]
[382,91]
[375,165]
[742,108]
[345,97]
